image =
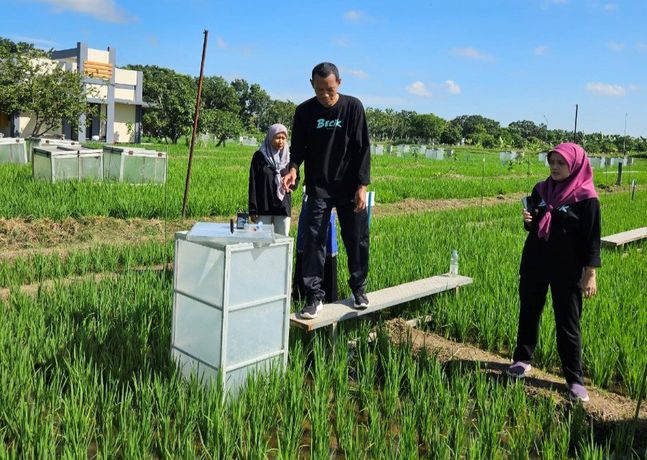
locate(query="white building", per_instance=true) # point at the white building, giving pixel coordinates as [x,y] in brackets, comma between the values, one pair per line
[117,95]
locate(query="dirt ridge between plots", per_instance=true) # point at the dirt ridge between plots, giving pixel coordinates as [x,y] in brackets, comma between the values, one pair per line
[32,290]
[21,237]
[25,237]
[603,407]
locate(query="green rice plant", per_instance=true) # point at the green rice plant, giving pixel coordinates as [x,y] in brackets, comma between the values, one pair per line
[63,396]
[392,371]
[219,185]
[431,409]
[590,450]
[292,408]
[320,390]
[407,440]
[377,429]
[366,371]
[490,409]
[486,312]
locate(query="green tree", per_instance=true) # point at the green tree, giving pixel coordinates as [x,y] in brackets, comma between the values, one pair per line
[527,129]
[253,103]
[427,126]
[218,94]
[221,124]
[452,133]
[278,112]
[32,83]
[470,124]
[378,123]
[171,98]
[405,124]
[9,48]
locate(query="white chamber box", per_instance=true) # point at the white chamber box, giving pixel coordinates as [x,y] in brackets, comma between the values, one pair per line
[231,302]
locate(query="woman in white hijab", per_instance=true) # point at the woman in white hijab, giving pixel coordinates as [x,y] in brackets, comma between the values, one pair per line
[268,202]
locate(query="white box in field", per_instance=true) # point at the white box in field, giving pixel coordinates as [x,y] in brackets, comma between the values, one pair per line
[62,163]
[435,154]
[46,142]
[231,307]
[597,162]
[13,150]
[134,165]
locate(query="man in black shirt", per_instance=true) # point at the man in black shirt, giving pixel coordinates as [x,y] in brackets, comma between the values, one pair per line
[330,136]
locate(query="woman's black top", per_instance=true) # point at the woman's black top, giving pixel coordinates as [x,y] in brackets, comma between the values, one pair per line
[262,190]
[573,243]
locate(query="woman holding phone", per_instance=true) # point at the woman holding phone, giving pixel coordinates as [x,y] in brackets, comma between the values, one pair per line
[562,250]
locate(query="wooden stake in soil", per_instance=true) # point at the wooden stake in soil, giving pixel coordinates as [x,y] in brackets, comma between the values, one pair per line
[196,117]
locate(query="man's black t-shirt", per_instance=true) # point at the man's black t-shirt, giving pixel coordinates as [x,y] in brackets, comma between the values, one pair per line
[334,145]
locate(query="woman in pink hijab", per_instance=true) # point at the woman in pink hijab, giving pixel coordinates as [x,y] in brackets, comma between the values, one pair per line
[562,250]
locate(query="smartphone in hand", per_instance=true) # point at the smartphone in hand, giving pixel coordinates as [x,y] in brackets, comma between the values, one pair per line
[527,203]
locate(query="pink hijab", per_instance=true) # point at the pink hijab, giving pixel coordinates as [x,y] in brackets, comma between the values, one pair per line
[577,187]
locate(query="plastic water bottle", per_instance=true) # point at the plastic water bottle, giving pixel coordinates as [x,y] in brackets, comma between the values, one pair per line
[453,263]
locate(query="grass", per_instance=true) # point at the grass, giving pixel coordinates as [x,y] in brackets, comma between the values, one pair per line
[85,368]
[219,185]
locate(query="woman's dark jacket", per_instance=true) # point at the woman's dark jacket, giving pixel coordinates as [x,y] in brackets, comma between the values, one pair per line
[262,190]
[574,241]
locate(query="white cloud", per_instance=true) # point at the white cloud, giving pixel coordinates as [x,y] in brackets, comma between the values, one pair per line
[153,40]
[296,97]
[354,15]
[103,10]
[615,46]
[220,43]
[641,46]
[540,50]
[610,7]
[548,3]
[355,73]
[472,54]
[452,87]
[606,89]
[370,100]
[34,41]
[341,41]
[418,88]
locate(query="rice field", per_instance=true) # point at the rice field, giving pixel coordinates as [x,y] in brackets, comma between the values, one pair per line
[219,184]
[85,368]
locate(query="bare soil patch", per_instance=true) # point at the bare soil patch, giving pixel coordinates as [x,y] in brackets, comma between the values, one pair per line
[25,237]
[415,205]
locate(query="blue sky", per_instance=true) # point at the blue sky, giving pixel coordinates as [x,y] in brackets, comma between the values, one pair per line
[507,60]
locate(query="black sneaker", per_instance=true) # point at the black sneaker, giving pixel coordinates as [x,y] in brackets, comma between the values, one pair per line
[360,299]
[310,309]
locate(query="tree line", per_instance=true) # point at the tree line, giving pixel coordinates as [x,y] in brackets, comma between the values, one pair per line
[229,109]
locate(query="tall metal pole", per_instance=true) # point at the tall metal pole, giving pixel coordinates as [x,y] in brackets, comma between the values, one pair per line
[575,130]
[196,117]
